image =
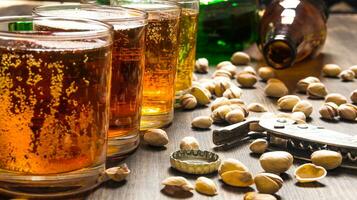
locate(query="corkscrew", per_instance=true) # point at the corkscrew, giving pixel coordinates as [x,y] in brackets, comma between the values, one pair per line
[299,139]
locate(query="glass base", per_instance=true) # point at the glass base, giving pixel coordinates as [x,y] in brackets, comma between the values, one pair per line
[121,147]
[156,121]
[50,186]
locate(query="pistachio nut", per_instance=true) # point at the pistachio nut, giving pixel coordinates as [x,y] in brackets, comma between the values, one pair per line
[258,196]
[304,83]
[188,102]
[202,122]
[274,80]
[255,127]
[118,173]
[309,173]
[240,58]
[176,184]
[268,183]
[347,111]
[266,73]
[249,70]
[205,186]
[256,107]
[331,70]
[299,117]
[316,91]
[234,116]
[220,101]
[208,85]
[303,106]
[353,96]
[201,66]
[354,69]
[327,159]
[219,114]
[276,89]
[329,111]
[230,68]
[241,107]
[236,101]
[221,78]
[189,143]
[237,178]
[201,95]
[233,92]
[258,146]
[288,102]
[222,73]
[231,164]
[223,63]
[221,86]
[276,162]
[246,79]
[336,98]
[347,75]
[156,137]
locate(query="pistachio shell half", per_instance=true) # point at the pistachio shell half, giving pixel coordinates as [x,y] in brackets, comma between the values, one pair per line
[309,173]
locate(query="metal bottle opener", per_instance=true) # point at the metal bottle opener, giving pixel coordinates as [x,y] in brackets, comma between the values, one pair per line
[299,139]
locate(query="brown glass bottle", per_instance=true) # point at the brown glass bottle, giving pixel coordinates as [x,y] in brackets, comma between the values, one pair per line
[292,30]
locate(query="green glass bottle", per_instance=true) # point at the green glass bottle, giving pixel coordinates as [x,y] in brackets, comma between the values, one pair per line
[226,26]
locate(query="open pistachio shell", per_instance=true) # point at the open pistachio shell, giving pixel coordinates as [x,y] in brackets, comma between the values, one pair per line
[118,173]
[309,173]
[231,164]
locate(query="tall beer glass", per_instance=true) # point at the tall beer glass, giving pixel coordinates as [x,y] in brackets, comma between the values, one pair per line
[187,45]
[128,68]
[161,59]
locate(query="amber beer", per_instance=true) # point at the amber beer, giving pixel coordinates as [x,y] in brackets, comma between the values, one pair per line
[53,107]
[54,111]
[187,45]
[126,90]
[161,59]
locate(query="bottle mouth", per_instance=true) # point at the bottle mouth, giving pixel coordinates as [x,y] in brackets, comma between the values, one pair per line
[279,52]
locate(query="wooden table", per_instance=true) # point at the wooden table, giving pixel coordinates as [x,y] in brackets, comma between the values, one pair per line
[151,165]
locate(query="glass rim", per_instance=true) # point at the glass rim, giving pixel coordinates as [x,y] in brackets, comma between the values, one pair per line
[142,15]
[172,4]
[56,35]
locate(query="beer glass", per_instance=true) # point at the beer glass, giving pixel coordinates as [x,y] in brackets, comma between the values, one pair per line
[127,68]
[161,59]
[187,45]
[54,93]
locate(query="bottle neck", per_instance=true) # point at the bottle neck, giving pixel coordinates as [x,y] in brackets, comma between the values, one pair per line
[280,51]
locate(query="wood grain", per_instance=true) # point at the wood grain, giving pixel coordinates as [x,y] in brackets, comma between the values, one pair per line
[151,165]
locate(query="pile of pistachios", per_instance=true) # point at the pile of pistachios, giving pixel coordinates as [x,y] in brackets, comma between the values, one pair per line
[228,107]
